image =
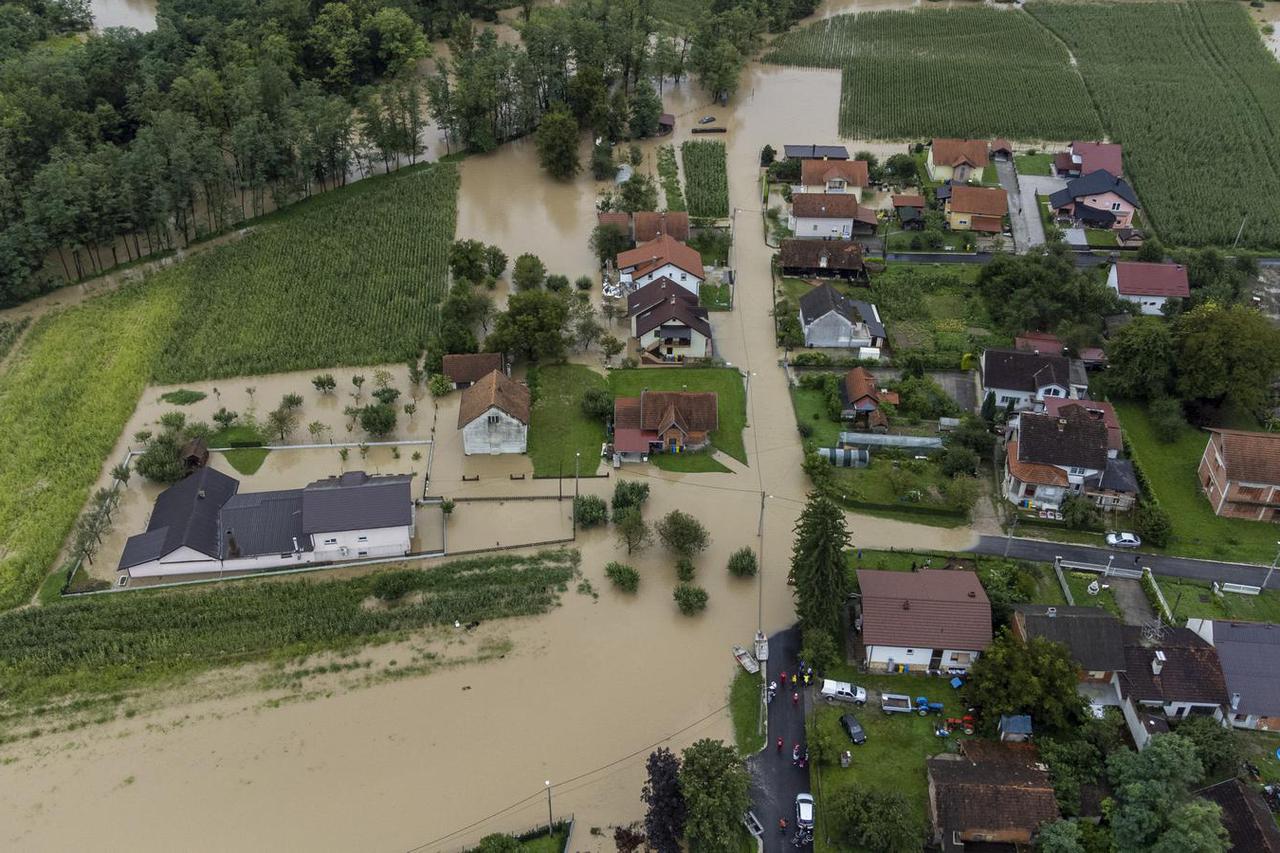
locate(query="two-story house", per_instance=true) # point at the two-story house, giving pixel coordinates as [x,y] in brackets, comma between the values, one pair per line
[1097,200]
[835,216]
[668,323]
[1024,379]
[665,257]
[1240,474]
[1249,654]
[833,176]
[1148,285]
[494,416]
[831,319]
[1081,158]
[957,160]
[931,620]
[979,209]
[1049,457]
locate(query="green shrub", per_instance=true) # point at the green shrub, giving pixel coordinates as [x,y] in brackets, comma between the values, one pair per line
[1153,524]
[390,586]
[590,510]
[742,563]
[623,576]
[629,493]
[685,569]
[1167,419]
[183,397]
[690,599]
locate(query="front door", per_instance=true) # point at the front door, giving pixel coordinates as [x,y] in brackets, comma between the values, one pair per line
[935,660]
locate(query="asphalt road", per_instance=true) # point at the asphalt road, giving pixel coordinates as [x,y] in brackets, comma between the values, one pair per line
[775,781]
[1160,564]
[1082,259]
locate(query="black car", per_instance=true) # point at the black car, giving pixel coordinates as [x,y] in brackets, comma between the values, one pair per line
[853,729]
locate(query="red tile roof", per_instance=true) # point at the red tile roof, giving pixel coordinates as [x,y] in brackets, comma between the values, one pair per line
[651,225]
[1252,457]
[664,250]
[958,152]
[1115,440]
[497,390]
[693,411]
[814,172]
[859,383]
[983,201]
[1135,278]
[986,224]
[469,367]
[991,788]
[908,201]
[1108,156]
[621,221]
[1044,342]
[824,206]
[931,608]
[1002,145]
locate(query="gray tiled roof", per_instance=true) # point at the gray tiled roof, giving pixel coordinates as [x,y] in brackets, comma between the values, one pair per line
[263,523]
[1091,634]
[1250,656]
[824,299]
[356,501]
[185,515]
[1094,183]
[809,152]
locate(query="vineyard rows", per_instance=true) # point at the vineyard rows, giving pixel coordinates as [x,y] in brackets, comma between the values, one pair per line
[706,179]
[1194,96]
[960,72]
[669,172]
[350,278]
[117,641]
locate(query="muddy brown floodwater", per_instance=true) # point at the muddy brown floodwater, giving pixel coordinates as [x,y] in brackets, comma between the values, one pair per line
[582,694]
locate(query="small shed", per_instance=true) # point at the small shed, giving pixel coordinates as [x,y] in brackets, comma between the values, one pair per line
[666,123]
[1015,728]
[194,454]
[1001,149]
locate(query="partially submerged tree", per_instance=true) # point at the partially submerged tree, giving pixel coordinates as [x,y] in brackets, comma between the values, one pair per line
[818,566]
[683,533]
[665,817]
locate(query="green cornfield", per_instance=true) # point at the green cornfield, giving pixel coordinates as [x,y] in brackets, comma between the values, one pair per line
[350,277]
[1194,96]
[706,179]
[966,72]
[63,402]
[124,640]
[669,172]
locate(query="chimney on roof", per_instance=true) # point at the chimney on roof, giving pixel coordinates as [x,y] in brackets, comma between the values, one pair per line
[1051,612]
[906,605]
[1235,701]
[1157,663]
[233,549]
[972,594]
[1062,424]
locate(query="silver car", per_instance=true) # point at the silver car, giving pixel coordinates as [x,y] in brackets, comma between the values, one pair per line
[1124,540]
[804,811]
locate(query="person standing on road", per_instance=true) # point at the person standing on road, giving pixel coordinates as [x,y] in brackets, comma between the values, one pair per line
[782,825]
[795,699]
[779,746]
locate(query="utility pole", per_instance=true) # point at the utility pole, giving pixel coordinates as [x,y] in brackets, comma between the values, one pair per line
[1274,563]
[1236,241]
[1009,538]
[560,480]
[577,457]
[550,819]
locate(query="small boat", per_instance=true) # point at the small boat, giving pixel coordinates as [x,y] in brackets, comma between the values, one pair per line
[762,646]
[748,661]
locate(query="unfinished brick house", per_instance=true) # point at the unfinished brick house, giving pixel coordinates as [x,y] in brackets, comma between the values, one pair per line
[1240,474]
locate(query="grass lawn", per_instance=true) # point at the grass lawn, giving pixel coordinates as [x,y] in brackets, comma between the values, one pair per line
[558,429]
[1079,584]
[725,381]
[246,460]
[546,843]
[1171,470]
[811,408]
[1100,238]
[893,758]
[701,462]
[744,705]
[1260,748]
[880,487]
[715,297]
[990,177]
[1191,600]
[1033,164]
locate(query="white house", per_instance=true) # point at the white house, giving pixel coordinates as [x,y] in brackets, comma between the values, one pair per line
[1025,379]
[665,257]
[494,416]
[1170,677]
[1050,457]
[818,216]
[924,621]
[668,324]
[831,319]
[833,176]
[1149,286]
[202,525]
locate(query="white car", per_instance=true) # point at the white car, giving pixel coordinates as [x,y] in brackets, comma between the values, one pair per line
[843,691]
[1124,540]
[804,811]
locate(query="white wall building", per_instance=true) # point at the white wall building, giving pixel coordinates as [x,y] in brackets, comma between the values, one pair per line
[1149,286]
[494,416]
[923,621]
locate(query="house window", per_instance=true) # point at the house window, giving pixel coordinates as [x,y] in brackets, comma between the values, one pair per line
[1077,471]
[362,539]
[911,651]
[493,420]
[1115,205]
[362,553]
[962,658]
[331,541]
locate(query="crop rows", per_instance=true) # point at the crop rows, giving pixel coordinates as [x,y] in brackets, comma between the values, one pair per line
[959,72]
[1193,95]
[706,179]
[669,172]
[352,277]
[118,641]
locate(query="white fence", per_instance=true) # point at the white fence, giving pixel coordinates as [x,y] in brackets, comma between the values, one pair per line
[1105,569]
[1239,588]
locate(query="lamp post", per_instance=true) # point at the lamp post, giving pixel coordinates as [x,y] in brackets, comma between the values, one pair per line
[1274,563]
[550,819]
[577,457]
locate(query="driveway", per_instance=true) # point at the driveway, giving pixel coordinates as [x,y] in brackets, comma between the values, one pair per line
[1160,564]
[774,780]
[1132,600]
[1027,206]
[1023,237]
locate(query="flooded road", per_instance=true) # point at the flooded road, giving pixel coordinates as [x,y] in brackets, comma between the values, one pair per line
[426,760]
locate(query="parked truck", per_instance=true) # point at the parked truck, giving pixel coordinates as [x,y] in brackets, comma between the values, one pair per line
[896,703]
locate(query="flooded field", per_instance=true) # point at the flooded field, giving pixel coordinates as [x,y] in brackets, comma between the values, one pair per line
[407,762]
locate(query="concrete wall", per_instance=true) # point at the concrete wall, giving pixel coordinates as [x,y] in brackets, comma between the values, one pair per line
[494,432]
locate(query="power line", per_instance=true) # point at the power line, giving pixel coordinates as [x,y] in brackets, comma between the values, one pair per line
[569,781]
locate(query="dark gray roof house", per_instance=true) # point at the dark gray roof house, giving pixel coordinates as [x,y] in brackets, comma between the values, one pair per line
[1118,476]
[1094,183]
[1073,438]
[824,302]
[1028,372]
[815,152]
[357,501]
[1249,653]
[185,516]
[1091,634]
[256,523]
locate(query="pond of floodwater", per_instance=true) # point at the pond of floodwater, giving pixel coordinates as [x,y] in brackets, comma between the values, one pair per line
[139,14]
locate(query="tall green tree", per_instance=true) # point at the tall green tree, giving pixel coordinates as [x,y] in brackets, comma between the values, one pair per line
[715,782]
[818,565]
[1226,352]
[557,141]
[646,109]
[867,819]
[1141,359]
[1154,808]
[1036,677]
[532,327]
[665,817]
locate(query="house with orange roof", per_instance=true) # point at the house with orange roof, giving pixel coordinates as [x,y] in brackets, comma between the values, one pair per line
[957,160]
[665,257]
[977,209]
[833,176]
[663,422]
[1240,474]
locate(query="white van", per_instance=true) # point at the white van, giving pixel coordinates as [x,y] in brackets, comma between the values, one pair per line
[843,691]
